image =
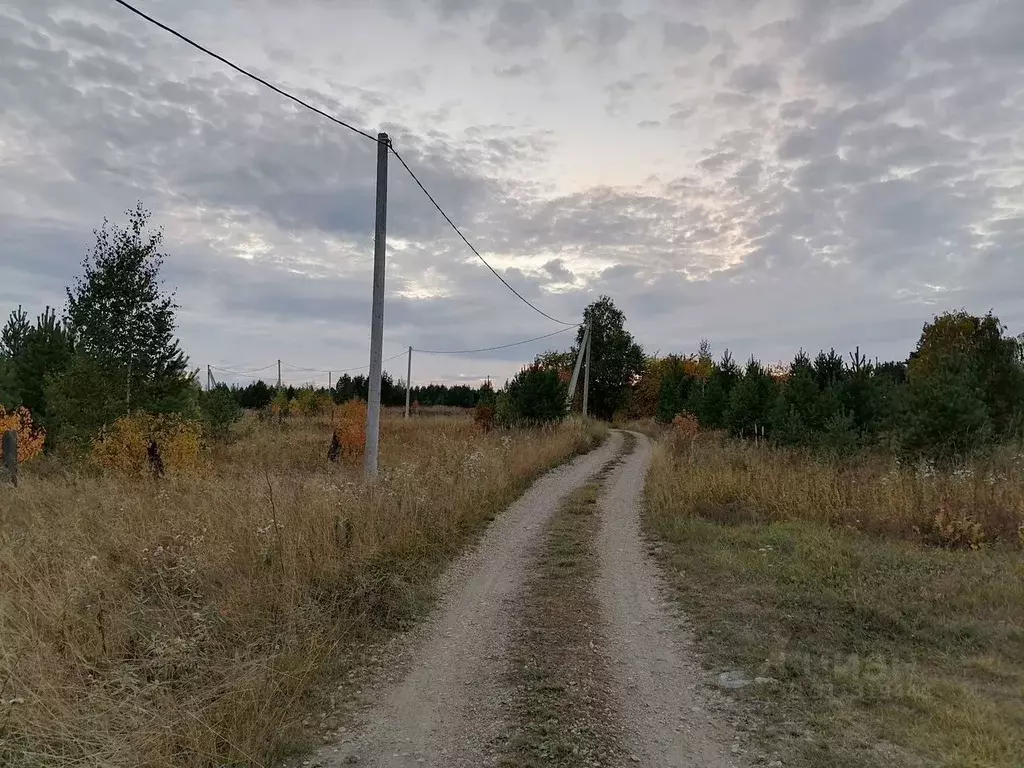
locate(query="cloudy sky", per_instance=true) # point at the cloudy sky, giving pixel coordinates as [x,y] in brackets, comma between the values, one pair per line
[769,174]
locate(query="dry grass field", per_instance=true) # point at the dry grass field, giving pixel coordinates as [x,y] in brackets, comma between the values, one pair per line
[192,620]
[885,602]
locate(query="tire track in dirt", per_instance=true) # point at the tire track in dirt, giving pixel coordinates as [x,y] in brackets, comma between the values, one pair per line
[448,704]
[670,720]
[562,711]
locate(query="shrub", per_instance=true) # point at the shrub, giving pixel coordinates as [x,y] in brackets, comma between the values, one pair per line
[30,437]
[350,428]
[535,396]
[483,416]
[122,448]
[685,429]
[312,403]
[279,406]
[220,411]
[953,531]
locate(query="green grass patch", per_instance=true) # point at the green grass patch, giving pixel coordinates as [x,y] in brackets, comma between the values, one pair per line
[884,652]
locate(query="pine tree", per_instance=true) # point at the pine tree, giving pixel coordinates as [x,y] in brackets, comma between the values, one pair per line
[14,333]
[45,354]
[751,400]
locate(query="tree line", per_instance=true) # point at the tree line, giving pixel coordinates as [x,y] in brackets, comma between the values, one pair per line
[114,352]
[260,394]
[960,391]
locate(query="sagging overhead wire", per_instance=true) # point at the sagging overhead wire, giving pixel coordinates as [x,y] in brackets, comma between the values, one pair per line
[492,349]
[243,373]
[184,38]
[245,72]
[471,247]
[339,370]
[296,368]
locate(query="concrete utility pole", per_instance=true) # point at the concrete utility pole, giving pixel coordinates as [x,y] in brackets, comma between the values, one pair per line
[576,369]
[279,373]
[329,377]
[408,384]
[586,378]
[377,317]
[10,456]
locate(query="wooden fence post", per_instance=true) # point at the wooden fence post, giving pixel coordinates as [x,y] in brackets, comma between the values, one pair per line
[10,455]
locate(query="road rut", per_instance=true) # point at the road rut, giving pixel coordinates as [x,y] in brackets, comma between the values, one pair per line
[667,714]
[450,706]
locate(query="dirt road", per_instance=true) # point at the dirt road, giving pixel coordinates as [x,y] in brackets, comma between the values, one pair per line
[448,702]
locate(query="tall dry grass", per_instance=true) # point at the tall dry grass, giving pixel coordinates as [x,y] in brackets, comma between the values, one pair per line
[189,621]
[741,482]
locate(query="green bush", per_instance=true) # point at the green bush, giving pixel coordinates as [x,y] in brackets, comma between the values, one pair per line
[535,396]
[220,411]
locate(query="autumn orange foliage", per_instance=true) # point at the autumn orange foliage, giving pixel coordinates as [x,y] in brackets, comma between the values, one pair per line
[350,427]
[30,437]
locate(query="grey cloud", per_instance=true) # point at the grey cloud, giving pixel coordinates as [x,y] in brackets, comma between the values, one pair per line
[755,78]
[718,161]
[520,24]
[684,37]
[557,269]
[875,54]
[620,92]
[796,110]
[611,28]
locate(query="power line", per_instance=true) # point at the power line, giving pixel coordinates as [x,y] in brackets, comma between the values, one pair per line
[491,349]
[243,373]
[297,368]
[184,38]
[245,72]
[342,370]
[301,370]
[458,231]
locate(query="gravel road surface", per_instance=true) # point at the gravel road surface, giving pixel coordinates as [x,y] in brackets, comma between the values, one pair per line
[443,700]
[449,707]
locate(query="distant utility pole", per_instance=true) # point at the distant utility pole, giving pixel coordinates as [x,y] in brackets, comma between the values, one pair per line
[279,373]
[576,368]
[408,384]
[329,376]
[586,378]
[209,378]
[377,315]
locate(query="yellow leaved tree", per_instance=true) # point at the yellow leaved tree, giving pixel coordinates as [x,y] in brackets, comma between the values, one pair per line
[30,437]
[124,447]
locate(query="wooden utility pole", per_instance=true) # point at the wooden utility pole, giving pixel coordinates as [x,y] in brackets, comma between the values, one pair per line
[377,314]
[10,456]
[279,373]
